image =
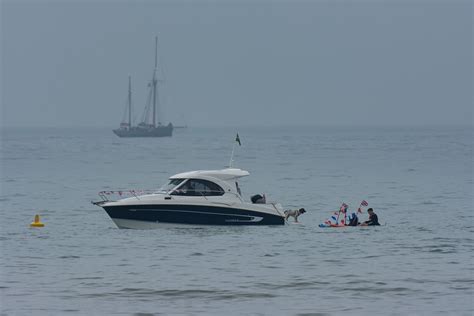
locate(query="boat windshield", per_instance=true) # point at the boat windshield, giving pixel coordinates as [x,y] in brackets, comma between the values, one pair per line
[171,185]
[198,187]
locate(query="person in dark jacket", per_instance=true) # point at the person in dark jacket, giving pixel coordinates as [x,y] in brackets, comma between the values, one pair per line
[373,219]
[354,220]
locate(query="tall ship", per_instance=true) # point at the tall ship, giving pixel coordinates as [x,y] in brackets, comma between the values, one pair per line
[149,126]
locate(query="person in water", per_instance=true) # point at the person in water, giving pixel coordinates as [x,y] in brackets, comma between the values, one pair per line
[373,219]
[354,220]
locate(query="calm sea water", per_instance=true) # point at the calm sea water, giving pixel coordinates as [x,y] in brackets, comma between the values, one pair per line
[419,182]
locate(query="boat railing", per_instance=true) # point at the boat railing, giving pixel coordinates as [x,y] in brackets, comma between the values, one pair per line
[112,196]
[276,208]
[107,195]
[237,196]
[202,193]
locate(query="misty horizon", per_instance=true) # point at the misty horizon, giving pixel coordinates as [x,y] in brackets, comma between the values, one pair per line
[239,64]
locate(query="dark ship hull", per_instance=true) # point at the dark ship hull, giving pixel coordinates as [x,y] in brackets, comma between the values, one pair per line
[159,131]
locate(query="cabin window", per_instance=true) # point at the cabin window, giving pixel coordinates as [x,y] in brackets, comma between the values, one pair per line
[199,187]
[171,185]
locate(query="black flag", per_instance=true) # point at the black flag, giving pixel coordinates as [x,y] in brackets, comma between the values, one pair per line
[237,139]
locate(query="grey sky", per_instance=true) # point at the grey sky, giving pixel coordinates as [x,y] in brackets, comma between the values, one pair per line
[239,62]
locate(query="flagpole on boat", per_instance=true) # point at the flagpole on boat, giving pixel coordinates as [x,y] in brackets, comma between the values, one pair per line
[237,140]
[232,156]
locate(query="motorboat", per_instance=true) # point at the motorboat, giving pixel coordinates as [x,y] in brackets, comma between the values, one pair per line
[203,197]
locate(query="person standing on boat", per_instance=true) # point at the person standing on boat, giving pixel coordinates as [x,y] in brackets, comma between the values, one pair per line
[373,219]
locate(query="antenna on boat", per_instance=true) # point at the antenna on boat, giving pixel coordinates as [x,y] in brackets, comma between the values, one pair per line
[237,140]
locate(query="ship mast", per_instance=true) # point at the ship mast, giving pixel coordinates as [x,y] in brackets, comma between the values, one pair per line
[129,102]
[155,81]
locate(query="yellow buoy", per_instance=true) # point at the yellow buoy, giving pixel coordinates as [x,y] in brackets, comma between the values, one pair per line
[37,222]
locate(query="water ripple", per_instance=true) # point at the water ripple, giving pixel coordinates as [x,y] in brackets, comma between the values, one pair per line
[181,294]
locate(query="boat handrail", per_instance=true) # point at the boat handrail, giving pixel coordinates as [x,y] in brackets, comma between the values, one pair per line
[105,195]
[237,195]
[202,193]
[276,209]
[124,193]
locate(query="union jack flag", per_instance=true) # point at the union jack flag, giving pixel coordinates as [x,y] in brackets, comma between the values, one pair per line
[364,203]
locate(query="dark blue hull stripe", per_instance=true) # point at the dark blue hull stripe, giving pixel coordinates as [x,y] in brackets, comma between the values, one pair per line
[193,214]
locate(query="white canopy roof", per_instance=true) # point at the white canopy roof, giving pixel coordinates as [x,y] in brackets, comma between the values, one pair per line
[224,174]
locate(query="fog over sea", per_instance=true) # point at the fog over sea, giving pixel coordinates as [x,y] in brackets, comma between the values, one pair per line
[418,180]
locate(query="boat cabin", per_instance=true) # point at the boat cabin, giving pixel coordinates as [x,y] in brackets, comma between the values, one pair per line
[206,183]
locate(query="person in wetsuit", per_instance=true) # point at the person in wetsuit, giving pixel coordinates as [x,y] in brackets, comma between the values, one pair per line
[373,219]
[354,220]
